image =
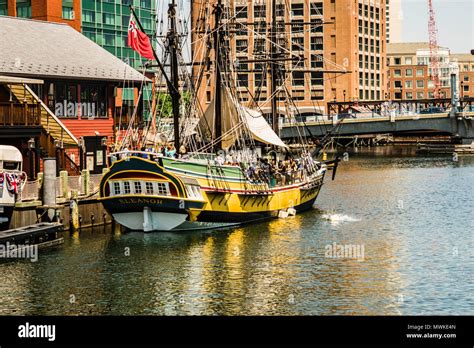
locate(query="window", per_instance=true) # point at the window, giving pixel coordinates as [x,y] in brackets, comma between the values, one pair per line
[420,84]
[409,72]
[408,61]
[146,22]
[241,12]
[397,61]
[68,11]
[298,78]
[409,84]
[89,16]
[93,100]
[109,40]
[23,8]
[108,18]
[465,88]
[116,188]
[137,187]
[297,43]
[3,7]
[297,9]
[316,9]
[243,80]
[397,72]
[316,61]
[419,72]
[466,79]
[259,11]
[241,45]
[316,43]
[90,35]
[420,95]
[145,3]
[163,188]
[317,79]
[65,98]
[149,188]
[126,187]
[297,25]
[397,84]
[409,95]
[280,10]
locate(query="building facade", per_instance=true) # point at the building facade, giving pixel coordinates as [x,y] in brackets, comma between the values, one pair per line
[394,17]
[104,22]
[410,71]
[61,11]
[337,50]
[75,107]
[466,73]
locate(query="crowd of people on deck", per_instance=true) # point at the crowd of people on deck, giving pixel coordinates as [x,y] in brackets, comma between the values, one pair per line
[257,169]
[283,172]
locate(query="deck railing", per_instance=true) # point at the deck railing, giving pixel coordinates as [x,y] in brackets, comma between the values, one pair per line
[19,114]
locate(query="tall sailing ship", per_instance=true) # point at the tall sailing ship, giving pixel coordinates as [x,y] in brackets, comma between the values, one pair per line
[231,168]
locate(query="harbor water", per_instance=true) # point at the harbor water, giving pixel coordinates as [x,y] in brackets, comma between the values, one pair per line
[409,218]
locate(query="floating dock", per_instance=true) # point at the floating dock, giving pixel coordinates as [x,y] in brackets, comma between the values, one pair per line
[44,234]
[446,149]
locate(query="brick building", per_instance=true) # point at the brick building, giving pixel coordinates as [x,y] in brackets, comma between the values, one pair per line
[466,73]
[352,40]
[409,71]
[61,11]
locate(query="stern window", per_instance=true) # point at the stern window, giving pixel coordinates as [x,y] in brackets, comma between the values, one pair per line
[126,187]
[149,188]
[116,188]
[138,187]
[162,188]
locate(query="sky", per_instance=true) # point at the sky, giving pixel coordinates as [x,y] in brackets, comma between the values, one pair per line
[454,20]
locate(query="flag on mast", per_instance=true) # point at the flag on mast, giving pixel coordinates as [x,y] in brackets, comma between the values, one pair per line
[139,41]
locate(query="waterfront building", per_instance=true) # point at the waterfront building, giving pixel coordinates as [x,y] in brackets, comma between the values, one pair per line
[466,73]
[66,101]
[409,71]
[104,22]
[394,17]
[331,37]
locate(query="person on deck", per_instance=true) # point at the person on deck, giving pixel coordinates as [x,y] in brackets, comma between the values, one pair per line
[170,151]
[182,151]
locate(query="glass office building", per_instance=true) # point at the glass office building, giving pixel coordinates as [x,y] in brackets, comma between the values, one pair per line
[106,23]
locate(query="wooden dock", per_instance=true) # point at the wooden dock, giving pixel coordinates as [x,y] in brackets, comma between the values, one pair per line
[446,149]
[44,234]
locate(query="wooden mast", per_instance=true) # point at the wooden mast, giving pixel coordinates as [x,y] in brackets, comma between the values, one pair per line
[273,70]
[173,49]
[218,82]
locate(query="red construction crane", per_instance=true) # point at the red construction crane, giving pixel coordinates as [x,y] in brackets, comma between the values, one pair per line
[434,58]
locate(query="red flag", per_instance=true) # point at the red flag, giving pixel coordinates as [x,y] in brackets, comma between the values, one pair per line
[139,41]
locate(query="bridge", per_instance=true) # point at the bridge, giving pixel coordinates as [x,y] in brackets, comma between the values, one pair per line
[398,118]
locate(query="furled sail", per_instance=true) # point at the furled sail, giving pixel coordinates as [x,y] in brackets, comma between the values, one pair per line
[234,116]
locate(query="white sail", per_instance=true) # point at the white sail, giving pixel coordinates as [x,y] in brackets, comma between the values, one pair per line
[234,116]
[260,128]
